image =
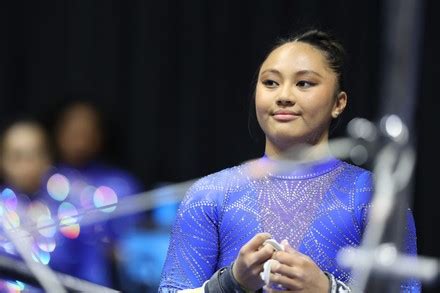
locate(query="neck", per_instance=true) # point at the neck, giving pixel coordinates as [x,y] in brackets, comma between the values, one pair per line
[301,152]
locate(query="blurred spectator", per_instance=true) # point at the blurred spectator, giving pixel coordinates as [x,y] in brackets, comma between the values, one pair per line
[79,134]
[78,182]
[25,157]
[79,138]
[25,160]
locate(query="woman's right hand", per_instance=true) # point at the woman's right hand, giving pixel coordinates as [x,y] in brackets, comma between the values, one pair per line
[249,263]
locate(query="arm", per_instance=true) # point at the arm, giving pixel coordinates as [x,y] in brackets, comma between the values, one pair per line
[192,254]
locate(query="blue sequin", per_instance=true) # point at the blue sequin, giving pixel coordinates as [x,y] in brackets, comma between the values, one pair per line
[319,209]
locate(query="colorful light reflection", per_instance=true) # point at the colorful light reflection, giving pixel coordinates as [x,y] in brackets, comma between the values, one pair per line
[105,196]
[46,244]
[68,215]
[86,197]
[69,228]
[46,226]
[11,220]
[14,286]
[67,210]
[40,256]
[8,199]
[37,209]
[58,187]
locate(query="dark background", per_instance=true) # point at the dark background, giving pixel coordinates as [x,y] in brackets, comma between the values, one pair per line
[176,77]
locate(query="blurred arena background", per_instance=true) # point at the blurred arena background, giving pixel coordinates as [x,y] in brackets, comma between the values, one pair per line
[172,83]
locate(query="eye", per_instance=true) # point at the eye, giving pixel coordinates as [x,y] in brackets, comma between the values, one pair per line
[305,84]
[270,83]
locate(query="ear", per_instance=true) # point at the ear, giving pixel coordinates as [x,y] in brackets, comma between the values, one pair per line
[340,103]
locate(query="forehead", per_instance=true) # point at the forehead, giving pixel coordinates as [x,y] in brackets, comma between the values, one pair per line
[296,56]
[26,136]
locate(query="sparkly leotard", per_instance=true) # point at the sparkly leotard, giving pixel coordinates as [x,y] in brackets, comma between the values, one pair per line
[319,208]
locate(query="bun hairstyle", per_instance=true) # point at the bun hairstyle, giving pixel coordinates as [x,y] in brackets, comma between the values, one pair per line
[331,47]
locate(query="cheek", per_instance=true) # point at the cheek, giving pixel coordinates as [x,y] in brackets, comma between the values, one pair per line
[315,109]
[260,110]
[319,105]
[262,102]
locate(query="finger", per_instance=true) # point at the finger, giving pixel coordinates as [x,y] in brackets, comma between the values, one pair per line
[256,259]
[255,243]
[288,248]
[289,259]
[288,283]
[288,271]
[263,254]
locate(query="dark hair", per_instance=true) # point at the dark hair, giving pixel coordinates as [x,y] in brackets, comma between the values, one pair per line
[325,42]
[334,53]
[66,105]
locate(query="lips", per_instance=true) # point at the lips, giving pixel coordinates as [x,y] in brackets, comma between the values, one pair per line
[285,115]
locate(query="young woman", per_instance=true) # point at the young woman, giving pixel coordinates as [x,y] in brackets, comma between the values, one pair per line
[315,210]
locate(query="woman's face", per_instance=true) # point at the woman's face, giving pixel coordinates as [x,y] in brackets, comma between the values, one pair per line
[296,96]
[79,135]
[25,157]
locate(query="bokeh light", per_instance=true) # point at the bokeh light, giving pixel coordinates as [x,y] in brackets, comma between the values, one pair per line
[14,286]
[46,226]
[8,199]
[36,209]
[40,256]
[393,125]
[58,187]
[86,197]
[69,228]
[105,196]
[46,244]
[11,220]
[68,215]
[67,210]
[77,186]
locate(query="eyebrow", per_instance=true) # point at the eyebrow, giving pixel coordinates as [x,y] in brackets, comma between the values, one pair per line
[301,72]
[304,72]
[271,71]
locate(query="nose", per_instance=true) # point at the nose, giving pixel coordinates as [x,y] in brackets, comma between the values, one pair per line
[283,102]
[286,98]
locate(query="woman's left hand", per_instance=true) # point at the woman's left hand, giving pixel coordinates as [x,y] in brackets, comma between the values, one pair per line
[297,272]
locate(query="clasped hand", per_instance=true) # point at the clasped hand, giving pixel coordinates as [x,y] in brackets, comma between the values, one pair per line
[290,269]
